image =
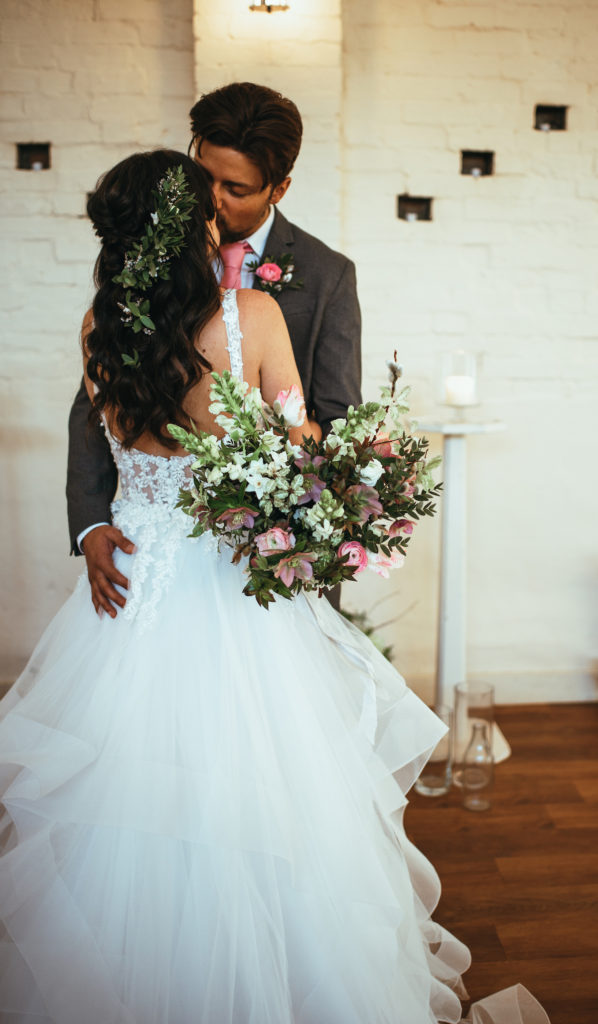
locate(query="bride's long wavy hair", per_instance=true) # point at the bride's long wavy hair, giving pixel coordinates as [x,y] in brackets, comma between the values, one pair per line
[149,396]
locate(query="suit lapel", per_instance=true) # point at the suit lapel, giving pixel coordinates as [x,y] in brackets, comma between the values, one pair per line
[279,241]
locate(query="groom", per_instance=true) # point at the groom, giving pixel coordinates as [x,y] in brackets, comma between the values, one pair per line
[247,138]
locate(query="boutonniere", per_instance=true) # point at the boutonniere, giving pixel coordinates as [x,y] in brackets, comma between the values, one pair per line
[276,275]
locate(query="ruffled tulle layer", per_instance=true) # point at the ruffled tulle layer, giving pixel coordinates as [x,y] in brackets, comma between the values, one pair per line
[201,820]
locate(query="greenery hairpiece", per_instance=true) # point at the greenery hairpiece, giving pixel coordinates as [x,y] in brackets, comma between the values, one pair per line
[149,258]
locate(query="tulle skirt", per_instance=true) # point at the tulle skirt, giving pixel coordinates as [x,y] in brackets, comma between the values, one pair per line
[203,815]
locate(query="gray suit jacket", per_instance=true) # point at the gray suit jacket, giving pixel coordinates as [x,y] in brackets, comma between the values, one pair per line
[324,323]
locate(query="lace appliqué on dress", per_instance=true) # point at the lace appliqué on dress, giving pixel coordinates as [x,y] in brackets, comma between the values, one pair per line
[147,512]
[230,315]
[150,487]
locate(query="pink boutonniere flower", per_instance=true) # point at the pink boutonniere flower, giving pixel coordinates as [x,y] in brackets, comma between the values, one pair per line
[269,272]
[276,275]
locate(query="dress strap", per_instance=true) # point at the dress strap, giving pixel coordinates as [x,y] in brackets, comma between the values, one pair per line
[230,315]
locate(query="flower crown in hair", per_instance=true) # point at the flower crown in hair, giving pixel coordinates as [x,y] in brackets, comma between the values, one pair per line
[149,258]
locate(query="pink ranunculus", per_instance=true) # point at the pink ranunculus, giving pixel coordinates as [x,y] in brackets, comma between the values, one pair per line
[290,405]
[237,518]
[358,556]
[275,539]
[295,567]
[366,499]
[316,486]
[401,526]
[269,272]
[382,564]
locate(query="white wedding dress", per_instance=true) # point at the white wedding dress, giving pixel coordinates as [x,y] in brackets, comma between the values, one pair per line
[203,802]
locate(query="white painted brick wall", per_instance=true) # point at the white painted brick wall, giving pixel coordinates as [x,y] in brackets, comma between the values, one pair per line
[97,79]
[508,268]
[390,93]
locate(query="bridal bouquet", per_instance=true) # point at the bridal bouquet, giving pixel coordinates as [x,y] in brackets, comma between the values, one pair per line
[307,517]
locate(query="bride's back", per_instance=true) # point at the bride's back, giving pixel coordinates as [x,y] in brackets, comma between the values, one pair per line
[261,355]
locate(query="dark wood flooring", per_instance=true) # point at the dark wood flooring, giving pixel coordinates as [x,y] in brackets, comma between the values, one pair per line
[520,881]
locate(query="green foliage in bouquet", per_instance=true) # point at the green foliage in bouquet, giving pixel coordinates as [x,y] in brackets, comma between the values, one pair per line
[312,516]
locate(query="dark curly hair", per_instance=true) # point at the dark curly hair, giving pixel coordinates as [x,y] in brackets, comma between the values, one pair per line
[148,397]
[255,120]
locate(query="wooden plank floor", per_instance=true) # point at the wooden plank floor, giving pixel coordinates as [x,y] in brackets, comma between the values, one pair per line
[520,881]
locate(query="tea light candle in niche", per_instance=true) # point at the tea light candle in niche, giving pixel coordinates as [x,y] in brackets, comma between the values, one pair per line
[548,118]
[458,385]
[414,208]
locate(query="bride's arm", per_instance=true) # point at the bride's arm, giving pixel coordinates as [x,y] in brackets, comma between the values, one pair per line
[278,369]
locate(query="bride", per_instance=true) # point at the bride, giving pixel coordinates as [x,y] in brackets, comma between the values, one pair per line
[197,825]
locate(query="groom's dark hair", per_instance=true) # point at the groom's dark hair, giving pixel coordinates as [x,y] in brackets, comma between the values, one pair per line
[256,121]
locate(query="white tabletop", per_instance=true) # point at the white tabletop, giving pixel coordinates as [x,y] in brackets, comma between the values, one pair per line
[456,427]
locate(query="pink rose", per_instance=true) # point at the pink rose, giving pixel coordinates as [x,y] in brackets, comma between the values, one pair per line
[275,539]
[235,518]
[290,405]
[295,567]
[357,555]
[401,526]
[381,563]
[269,272]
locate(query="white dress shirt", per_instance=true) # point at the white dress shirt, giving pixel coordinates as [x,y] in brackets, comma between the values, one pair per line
[257,241]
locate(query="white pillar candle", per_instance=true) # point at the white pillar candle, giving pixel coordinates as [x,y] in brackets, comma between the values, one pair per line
[459,389]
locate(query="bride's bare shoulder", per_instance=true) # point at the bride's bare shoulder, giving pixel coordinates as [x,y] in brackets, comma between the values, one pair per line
[256,303]
[258,312]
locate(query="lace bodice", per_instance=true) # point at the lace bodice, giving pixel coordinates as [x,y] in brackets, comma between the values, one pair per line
[149,486]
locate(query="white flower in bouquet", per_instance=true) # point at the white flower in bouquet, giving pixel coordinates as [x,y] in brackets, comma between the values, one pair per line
[293,450]
[371,473]
[290,405]
[253,404]
[215,476]
[235,469]
[272,442]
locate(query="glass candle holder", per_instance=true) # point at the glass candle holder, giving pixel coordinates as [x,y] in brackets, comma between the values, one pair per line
[458,383]
[435,779]
[474,703]
[477,769]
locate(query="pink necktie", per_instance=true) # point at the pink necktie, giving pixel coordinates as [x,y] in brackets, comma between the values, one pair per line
[232,257]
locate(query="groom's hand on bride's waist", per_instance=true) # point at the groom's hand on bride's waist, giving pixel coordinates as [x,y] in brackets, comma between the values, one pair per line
[98,547]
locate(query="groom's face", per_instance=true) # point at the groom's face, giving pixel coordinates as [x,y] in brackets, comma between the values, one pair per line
[242,200]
